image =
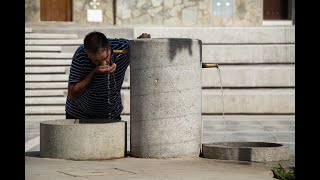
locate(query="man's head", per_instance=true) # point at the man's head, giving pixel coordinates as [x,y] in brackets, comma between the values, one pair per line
[97,47]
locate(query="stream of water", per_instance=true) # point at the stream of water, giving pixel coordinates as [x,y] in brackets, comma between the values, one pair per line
[221,93]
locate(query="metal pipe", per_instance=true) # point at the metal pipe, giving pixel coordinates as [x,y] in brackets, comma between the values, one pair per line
[120,51]
[209,65]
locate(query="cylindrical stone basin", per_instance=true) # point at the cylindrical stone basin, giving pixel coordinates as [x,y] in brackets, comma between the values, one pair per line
[246,151]
[69,139]
[165,98]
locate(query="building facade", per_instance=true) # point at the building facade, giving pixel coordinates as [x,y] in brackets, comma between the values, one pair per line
[160,12]
[253,41]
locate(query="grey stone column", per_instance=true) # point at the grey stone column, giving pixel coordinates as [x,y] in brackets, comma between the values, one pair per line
[165,98]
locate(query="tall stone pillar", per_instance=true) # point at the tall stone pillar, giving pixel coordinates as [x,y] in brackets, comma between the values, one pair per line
[165,98]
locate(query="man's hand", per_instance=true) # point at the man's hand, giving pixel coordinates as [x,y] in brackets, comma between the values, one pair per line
[104,68]
[144,35]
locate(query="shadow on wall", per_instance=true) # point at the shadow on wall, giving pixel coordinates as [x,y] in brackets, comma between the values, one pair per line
[176,45]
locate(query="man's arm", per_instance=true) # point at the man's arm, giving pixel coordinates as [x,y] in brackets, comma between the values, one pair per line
[74,91]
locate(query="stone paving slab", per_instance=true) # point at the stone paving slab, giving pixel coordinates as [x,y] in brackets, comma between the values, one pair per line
[138,168]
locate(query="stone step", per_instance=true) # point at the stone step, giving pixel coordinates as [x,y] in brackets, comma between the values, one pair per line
[253,54]
[46,77]
[232,35]
[231,76]
[241,101]
[71,49]
[81,31]
[237,101]
[43,48]
[249,118]
[250,76]
[47,110]
[45,100]
[42,77]
[50,36]
[55,93]
[39,118]
[241,121]
[264,101]
[221,54]
[45,55]
[28,30]
[53,42]
[47,62]
[224,121]
[221,128]
[250,137]
[46,85]
[46,70]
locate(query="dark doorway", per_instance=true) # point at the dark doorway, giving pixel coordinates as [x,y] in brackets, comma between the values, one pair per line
[56,10]
[275,9]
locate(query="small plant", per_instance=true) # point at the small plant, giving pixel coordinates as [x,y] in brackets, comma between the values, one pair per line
[281,173]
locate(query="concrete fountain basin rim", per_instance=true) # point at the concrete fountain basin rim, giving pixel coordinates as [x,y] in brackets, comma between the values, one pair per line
[69,139]
[246,151]
[78,122]
[244,144]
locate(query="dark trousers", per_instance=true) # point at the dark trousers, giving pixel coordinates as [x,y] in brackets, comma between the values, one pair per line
[69,116]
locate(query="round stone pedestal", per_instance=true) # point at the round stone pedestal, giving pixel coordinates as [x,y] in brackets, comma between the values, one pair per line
[69,139]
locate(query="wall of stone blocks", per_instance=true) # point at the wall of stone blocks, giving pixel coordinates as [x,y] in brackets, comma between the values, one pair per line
[187,13]
[79,12]
[158,12]
[257,66]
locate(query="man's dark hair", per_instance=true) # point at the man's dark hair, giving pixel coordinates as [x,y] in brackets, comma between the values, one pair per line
[95,41]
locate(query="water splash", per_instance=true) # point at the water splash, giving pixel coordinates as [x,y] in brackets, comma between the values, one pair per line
[221,93]
[225,137]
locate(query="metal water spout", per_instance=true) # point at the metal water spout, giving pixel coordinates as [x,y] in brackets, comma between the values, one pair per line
[210,65]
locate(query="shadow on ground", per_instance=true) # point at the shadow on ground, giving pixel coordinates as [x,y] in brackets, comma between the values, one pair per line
[32,153]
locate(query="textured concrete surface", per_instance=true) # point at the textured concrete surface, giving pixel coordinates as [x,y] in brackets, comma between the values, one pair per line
[139,168]
[69,139]
[165,97]
[246,151]
[225,35]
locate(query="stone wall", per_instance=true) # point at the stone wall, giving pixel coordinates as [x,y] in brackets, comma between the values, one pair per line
[79,14]
[80,11]
[158,12]
[32,10]
[186,13]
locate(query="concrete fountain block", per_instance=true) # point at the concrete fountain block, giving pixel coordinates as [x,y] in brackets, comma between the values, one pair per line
[246,151]
[80,140]
[165,98]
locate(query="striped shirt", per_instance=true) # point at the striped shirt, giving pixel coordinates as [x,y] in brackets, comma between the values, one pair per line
[102,98]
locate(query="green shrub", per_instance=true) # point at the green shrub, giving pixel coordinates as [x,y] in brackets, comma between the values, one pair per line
[280,173]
